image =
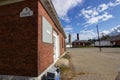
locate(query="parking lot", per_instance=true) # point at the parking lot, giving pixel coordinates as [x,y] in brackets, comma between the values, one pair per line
[90,64]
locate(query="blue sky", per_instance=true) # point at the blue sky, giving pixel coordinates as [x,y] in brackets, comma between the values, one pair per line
[81,16]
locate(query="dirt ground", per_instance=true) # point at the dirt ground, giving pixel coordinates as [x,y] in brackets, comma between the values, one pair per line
[90,64]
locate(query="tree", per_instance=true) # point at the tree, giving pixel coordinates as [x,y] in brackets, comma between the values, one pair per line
[104,37]
[92,40]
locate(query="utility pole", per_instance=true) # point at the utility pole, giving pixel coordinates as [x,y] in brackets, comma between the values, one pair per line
[69,40]
[98,37]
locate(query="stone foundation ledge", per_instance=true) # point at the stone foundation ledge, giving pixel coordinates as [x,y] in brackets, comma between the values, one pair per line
[10,77]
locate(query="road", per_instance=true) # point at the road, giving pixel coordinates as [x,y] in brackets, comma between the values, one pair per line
[90,64]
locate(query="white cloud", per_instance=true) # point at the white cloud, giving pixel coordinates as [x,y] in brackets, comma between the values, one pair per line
[118,31]
[89,13]
[117,2]
[68,28]
[105,32]
[99,13]
[102,7]
[90,34]
[74,36]
[113,31]
[66,18]
[63,6]
[87,34]
[98,18]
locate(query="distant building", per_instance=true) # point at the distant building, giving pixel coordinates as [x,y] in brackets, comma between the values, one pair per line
[80,43]
[111,41]
[115,40]
[103,43]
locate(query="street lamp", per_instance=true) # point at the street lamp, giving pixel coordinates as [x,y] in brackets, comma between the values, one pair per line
[98,37]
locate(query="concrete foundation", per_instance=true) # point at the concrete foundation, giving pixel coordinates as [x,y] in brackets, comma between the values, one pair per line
[9,77]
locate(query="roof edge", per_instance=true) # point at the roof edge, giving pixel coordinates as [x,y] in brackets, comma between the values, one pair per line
[53,14]
[9,2]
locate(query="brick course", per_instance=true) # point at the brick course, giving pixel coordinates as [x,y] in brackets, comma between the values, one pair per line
[22,51]
[45,50]
[18,40]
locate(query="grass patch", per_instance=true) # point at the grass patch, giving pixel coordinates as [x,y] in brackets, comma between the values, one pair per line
[67,56]
[81,73]
[66,71]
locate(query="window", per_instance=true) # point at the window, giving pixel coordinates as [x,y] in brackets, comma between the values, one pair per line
[46,31]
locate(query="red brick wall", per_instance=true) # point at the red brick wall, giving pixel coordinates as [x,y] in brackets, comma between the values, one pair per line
[22,51]
[62,44]
[18,40]
[117,42]
[45,50]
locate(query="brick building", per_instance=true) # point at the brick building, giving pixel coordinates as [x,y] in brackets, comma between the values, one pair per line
[80,43]
[31,38]
[115,40]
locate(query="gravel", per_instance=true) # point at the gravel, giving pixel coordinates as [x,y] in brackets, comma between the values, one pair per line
[90,64]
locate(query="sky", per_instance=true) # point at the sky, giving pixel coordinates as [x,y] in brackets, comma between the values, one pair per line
[82,16]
